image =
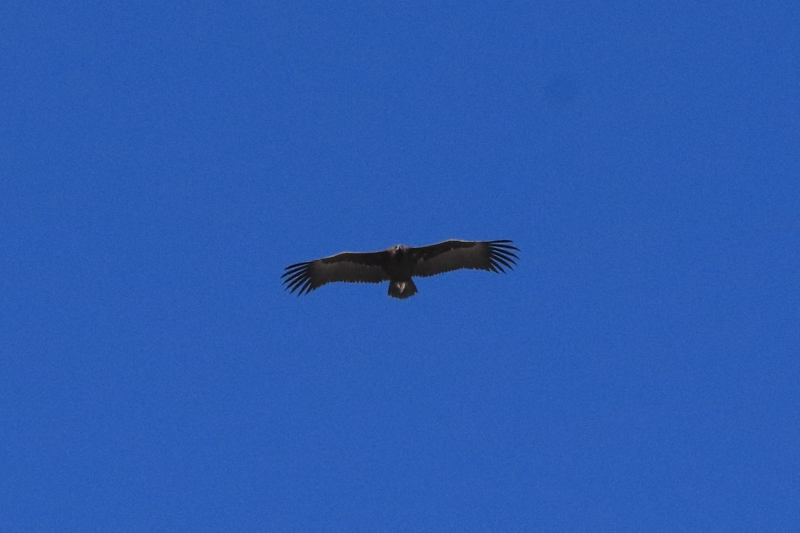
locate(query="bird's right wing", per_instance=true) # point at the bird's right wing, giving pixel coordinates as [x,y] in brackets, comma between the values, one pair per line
[358,267]
[454,254]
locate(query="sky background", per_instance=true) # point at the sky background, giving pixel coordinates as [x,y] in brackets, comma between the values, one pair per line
[161,163]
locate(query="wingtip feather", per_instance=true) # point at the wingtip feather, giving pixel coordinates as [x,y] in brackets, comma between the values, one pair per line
[502,256]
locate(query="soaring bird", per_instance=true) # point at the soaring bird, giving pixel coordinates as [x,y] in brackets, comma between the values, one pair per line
[399,263]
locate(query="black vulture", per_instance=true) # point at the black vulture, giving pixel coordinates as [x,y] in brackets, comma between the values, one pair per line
[399,264]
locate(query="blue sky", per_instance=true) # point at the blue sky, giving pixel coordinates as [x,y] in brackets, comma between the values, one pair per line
[161,164]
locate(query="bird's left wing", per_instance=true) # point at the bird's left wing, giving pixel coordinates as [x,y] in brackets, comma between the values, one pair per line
[454,254]
[355,267]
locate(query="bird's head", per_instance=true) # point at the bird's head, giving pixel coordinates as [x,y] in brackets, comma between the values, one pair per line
[398,249]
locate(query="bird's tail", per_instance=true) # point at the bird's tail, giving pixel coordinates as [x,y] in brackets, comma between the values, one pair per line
[402,288]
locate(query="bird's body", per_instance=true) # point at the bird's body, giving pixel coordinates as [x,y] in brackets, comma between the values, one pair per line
[400,268]
[399,264]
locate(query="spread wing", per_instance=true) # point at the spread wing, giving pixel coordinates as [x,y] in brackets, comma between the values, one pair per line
[346,266]
[452,255]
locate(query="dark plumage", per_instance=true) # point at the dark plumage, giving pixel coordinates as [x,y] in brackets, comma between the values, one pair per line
[399,263]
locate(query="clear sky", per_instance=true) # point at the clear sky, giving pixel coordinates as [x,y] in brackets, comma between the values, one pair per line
[160,164]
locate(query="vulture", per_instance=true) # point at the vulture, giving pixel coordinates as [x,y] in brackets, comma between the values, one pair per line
[399,264]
